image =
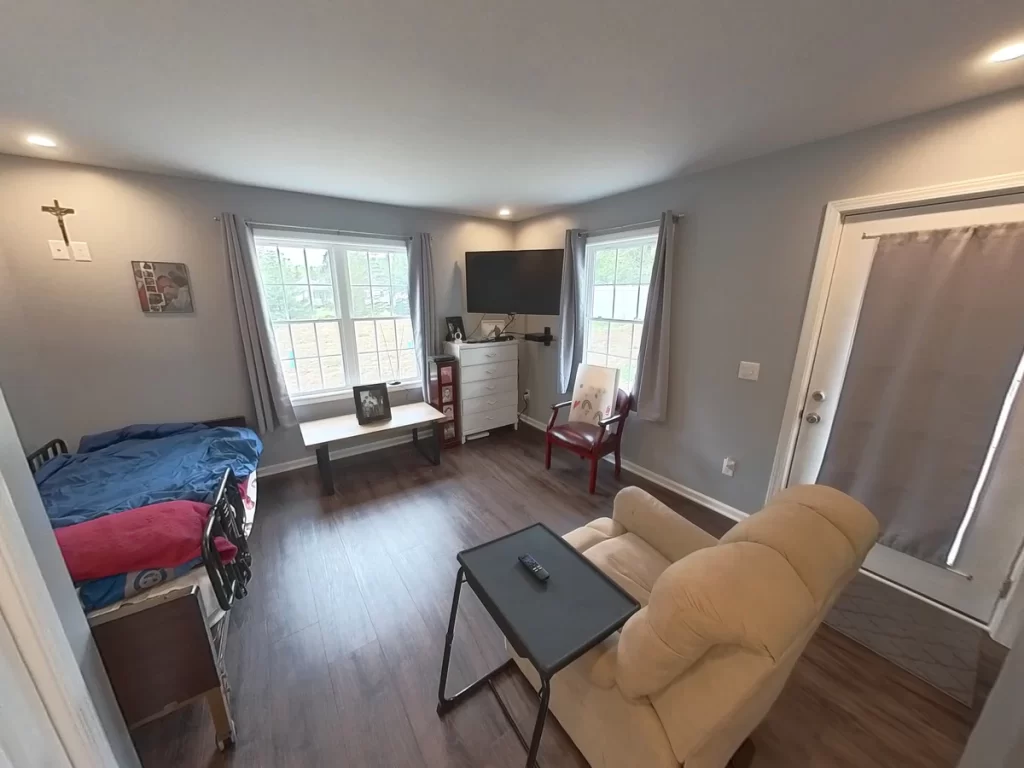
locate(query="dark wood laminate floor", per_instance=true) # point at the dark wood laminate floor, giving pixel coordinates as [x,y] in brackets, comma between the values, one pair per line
[334,656]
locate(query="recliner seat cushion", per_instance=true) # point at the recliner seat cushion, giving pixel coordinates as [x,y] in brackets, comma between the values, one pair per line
[630,562]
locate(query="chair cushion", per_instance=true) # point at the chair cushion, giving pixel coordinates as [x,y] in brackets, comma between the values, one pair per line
[580,435]
[630,562]
[594,532]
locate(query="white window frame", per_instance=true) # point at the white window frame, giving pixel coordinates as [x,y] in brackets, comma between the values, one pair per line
[336,245]
[642,236]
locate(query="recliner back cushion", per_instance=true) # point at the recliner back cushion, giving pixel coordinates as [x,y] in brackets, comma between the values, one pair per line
[815,549]
[821,532]
[848,515]
[742,593]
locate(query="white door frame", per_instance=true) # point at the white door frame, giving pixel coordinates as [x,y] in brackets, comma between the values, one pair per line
[29,612]
[836,213]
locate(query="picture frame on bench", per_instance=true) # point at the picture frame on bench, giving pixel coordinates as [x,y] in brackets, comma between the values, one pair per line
[372,403]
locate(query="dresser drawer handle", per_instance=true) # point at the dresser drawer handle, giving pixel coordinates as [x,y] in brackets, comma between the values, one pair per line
[490,370]
[490,387]
[491,402]
[491,354]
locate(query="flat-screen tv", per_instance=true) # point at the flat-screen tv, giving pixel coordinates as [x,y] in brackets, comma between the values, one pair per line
[519,282]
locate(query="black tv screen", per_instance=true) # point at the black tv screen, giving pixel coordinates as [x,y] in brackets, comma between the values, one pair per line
[519,282]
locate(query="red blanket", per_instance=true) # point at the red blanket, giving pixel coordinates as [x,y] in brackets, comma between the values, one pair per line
[163,535]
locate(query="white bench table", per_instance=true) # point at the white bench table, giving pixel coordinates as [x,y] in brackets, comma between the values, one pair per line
[339,429]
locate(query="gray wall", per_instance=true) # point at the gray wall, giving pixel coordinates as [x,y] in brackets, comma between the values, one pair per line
[18,479]
[86,358]
[743,262]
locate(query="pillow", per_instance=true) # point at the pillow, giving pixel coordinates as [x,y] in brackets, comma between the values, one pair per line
[164,535]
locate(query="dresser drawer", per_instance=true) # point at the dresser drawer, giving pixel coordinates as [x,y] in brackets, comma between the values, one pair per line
[471,373]
[489,387]
[489,419]
[497,353]
[490,402]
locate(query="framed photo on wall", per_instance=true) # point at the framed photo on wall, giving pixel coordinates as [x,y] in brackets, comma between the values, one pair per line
[164,287]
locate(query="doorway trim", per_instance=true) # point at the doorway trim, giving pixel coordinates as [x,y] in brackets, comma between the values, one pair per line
[29,612]
[825,260]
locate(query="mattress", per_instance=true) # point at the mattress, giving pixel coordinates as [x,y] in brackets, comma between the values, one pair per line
[197,577]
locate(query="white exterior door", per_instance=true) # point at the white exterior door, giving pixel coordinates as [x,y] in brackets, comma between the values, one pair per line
[992,531]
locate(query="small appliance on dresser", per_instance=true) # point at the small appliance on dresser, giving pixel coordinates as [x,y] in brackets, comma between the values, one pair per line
[487,394]
[444,389]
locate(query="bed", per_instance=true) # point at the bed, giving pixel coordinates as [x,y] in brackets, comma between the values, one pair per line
[162,632]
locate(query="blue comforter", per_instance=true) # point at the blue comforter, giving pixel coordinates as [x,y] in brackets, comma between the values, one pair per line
[143,464]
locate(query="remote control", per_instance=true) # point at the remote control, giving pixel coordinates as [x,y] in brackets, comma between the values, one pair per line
[535,568]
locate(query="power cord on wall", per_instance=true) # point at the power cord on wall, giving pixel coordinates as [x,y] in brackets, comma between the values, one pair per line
[526,392]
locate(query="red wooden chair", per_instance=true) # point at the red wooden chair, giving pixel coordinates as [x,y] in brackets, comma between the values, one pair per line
[590,441]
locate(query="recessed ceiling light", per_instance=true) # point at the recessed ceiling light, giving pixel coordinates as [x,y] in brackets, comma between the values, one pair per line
[1009,53]
[504,212]
[41,141]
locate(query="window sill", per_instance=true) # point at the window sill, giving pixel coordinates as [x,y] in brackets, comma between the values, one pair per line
[346,394]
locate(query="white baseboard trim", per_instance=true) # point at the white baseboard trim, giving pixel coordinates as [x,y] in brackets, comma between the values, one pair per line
[338,453]
[668,484]
[687,493]
[532,422]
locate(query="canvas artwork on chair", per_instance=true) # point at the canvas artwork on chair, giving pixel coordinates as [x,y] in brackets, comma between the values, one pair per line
[593,393]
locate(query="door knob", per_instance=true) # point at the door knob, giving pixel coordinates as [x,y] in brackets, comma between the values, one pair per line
[813,418]
[818,396]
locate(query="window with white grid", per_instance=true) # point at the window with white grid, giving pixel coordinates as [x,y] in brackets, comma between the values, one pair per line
[618,278]
[339,309]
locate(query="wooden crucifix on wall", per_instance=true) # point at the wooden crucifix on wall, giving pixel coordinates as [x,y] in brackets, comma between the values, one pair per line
[60,213]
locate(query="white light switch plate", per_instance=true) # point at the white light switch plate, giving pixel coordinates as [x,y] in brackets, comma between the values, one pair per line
[750,371]
[59,251]
[729,466]
[81,251]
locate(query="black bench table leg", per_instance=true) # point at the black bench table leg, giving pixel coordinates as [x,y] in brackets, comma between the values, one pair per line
[323,462]
[433,452]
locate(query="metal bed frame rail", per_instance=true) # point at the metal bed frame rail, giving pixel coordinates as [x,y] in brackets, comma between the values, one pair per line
[51,450]
[227,519]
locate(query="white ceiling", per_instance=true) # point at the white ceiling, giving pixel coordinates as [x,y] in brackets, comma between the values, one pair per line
[469,105]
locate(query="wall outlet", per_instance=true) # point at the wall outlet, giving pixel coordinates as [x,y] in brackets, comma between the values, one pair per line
[59,251]
[729,466]
[81,251]
[749,371]
[526,395]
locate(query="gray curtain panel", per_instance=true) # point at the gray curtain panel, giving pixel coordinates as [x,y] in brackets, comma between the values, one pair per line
[570,307]
[423,306]
[939,338]
[650,389]
[266,379]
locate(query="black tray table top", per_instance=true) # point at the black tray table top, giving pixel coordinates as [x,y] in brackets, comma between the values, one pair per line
[550,623]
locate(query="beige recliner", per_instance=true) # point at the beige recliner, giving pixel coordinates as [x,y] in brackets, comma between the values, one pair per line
[693,672]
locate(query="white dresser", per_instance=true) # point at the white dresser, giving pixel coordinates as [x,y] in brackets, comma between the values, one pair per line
[488,384]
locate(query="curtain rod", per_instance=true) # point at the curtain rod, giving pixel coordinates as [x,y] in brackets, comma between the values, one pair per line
[378,235]
[627,227]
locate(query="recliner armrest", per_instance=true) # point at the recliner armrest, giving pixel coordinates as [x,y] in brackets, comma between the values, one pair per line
[664,529]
